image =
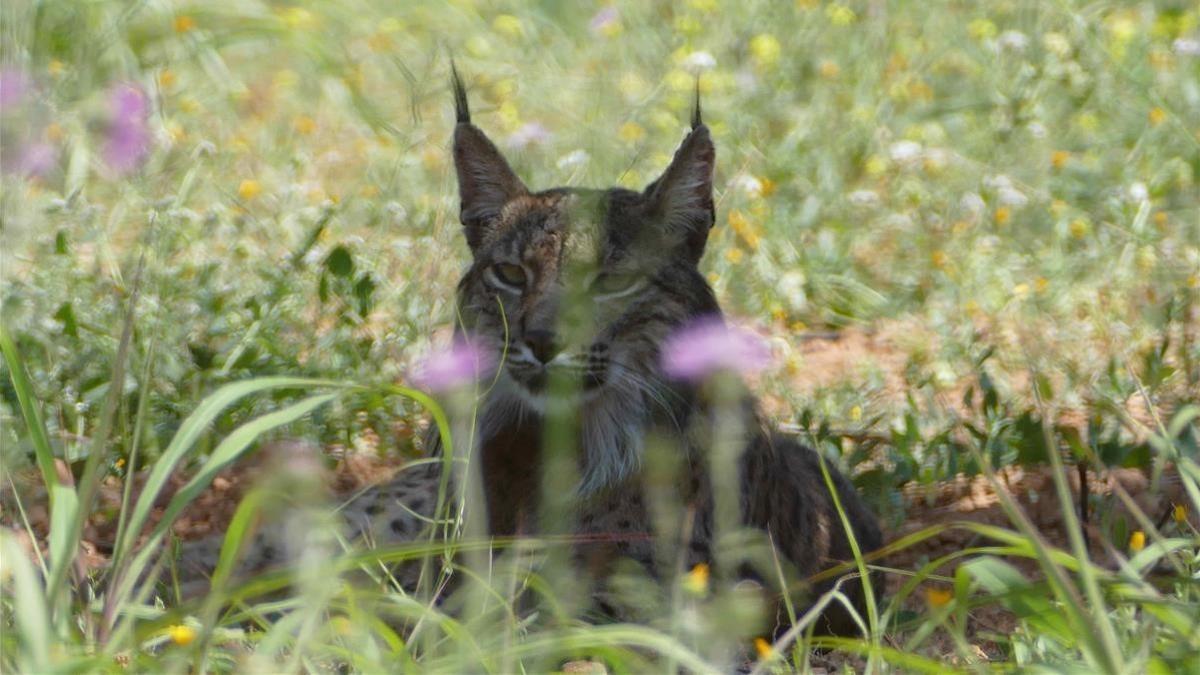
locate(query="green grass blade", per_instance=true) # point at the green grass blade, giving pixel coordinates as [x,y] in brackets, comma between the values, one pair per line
[228,450]
[190,431]
[31,613]
[34,424]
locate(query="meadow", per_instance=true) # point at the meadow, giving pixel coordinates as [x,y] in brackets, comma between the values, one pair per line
[968,231]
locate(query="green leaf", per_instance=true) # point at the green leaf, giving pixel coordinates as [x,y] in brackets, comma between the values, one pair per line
[1015,592]
[339,262]
[66,316]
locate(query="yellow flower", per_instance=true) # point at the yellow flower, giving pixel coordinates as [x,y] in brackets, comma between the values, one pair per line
[304,125]
[856,413]
[1157,116]
[1137,541]
[55,68]
[341,625]
[249,189]
[840,15]
[508,26]
[937,597]
[1079,228]
[1021,291]
[763,648]
[982,29]
[54,132]
[631,85]
[745,230]
[829,69]
[184,23]
[1041,284]
[735,255]
[1160,218]
[120,462]
[631,132]
[1193,281]
[876,165]
[1003,215]
[680,80]
[939,259]
[166,79]
[181,635]
[1059,158]
[1179,513]
[765,49]
[298,17]
[1147,258]
[696,581]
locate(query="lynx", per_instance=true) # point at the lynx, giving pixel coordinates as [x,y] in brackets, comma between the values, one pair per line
[573,292]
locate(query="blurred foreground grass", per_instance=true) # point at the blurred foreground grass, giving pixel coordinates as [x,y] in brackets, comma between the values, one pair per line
[1007,190]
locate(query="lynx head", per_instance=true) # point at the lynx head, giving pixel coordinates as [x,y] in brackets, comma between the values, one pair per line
[583,284]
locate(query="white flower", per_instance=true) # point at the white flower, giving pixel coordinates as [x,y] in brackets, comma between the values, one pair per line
[863,197]
[1013,40]
[397,212]
[573,159]
[752,186]
[972,203]
[791,289]
[1010,196]
[1138,192]
[1186,47]
[905,151]
[1037,129]
[699,61]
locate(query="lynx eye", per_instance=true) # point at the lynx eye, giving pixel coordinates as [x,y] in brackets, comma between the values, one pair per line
[508,275]
[611,286]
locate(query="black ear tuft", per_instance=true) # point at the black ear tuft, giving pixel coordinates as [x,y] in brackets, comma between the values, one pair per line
[462,112]
[485,181]
[696,110]
[681,199]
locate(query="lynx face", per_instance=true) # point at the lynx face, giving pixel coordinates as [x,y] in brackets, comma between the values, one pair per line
[582,284]
[574,290]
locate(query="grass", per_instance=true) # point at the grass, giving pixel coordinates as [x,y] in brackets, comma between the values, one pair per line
[1006,192]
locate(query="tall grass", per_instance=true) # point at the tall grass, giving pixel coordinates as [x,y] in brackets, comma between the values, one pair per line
[1007,191]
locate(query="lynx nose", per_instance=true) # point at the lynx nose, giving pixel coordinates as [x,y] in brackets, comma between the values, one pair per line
[543,343]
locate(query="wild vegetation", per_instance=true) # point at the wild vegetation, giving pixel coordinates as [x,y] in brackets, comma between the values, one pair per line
[969,233]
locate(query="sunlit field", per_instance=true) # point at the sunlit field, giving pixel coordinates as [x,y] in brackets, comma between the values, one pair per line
[968,235]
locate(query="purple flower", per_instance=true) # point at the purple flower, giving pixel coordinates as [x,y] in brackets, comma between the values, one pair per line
[461,364]
[14,85]
[128,134]
[528,134]
[603,19]
[37,159]
[708,345]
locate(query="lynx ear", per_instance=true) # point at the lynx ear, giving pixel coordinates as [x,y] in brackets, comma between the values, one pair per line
[485,181]
[681,199]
